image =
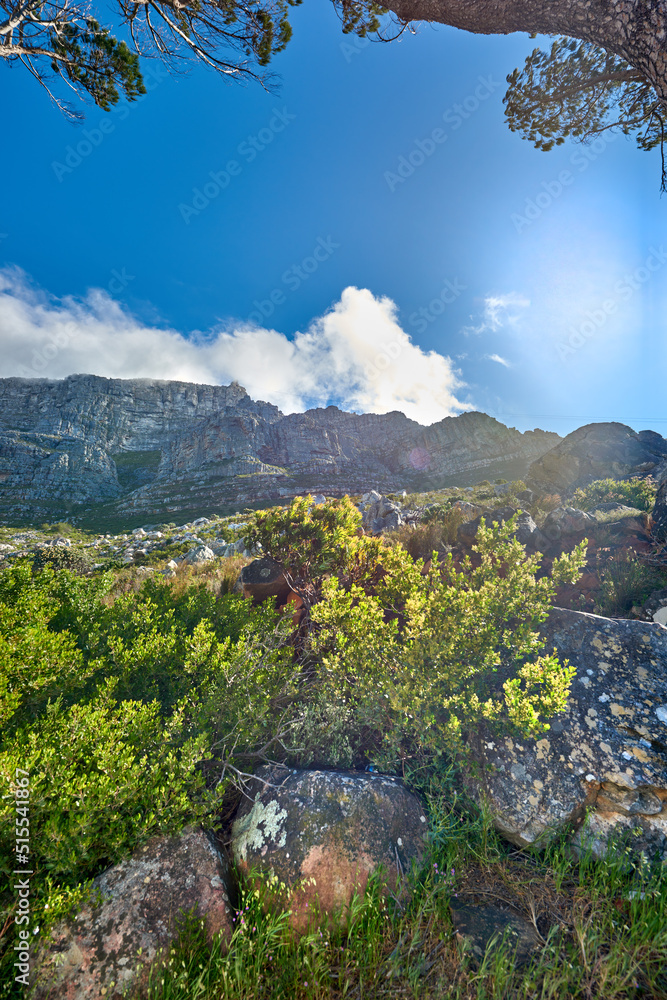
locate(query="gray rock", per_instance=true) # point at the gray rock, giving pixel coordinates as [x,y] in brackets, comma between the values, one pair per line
[322,833]
[606,753]
[567,522]
[133,915]
[529,534]
[381,514]
[199,555]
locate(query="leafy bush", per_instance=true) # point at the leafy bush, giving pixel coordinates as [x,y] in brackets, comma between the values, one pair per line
[120,712]
[60,557]
[412,656]
[35,662]
[635,492]
[313,540]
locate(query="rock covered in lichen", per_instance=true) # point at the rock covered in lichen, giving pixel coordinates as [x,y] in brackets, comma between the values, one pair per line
[322,833]
[605,755]
[133,915]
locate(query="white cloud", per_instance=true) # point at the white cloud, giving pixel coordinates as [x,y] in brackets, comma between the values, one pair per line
[356,355]
[497,359]
[500,311]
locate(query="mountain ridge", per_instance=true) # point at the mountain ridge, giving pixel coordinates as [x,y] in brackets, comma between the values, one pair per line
[87,440]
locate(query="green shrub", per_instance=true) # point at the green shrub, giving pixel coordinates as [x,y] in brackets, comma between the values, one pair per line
[61,558]
[313,540]
[35,662]
[423,679]
[169,689]
[636,492]
[412,657]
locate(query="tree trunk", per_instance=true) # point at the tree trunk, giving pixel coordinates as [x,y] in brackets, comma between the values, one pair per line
[635,30]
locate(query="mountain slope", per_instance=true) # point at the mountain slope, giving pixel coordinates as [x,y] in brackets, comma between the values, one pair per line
[139,443]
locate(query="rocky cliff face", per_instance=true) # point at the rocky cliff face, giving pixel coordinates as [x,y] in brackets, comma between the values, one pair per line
[87,439]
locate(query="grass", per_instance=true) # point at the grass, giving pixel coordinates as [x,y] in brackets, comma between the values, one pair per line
[602,927]
[626,581]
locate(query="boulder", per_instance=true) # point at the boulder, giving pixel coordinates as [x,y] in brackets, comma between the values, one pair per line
[529,534]
[597,451]
[606,753]
[567,522]
[264,578]
[134,915]
[199,555]
[468,510]
[380,514]
[322,833]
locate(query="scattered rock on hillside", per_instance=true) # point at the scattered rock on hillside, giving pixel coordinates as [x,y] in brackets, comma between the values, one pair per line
[108,946]
[607,751]
[322,833]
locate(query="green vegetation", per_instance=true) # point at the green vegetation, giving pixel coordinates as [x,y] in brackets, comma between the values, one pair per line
[636,492]
[137,708]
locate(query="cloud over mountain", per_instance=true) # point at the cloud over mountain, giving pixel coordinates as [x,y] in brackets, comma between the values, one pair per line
[355,355]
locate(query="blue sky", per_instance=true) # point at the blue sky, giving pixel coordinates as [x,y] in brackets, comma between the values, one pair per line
[371,235]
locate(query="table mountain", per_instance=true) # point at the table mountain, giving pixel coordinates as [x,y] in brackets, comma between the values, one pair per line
[139,443]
